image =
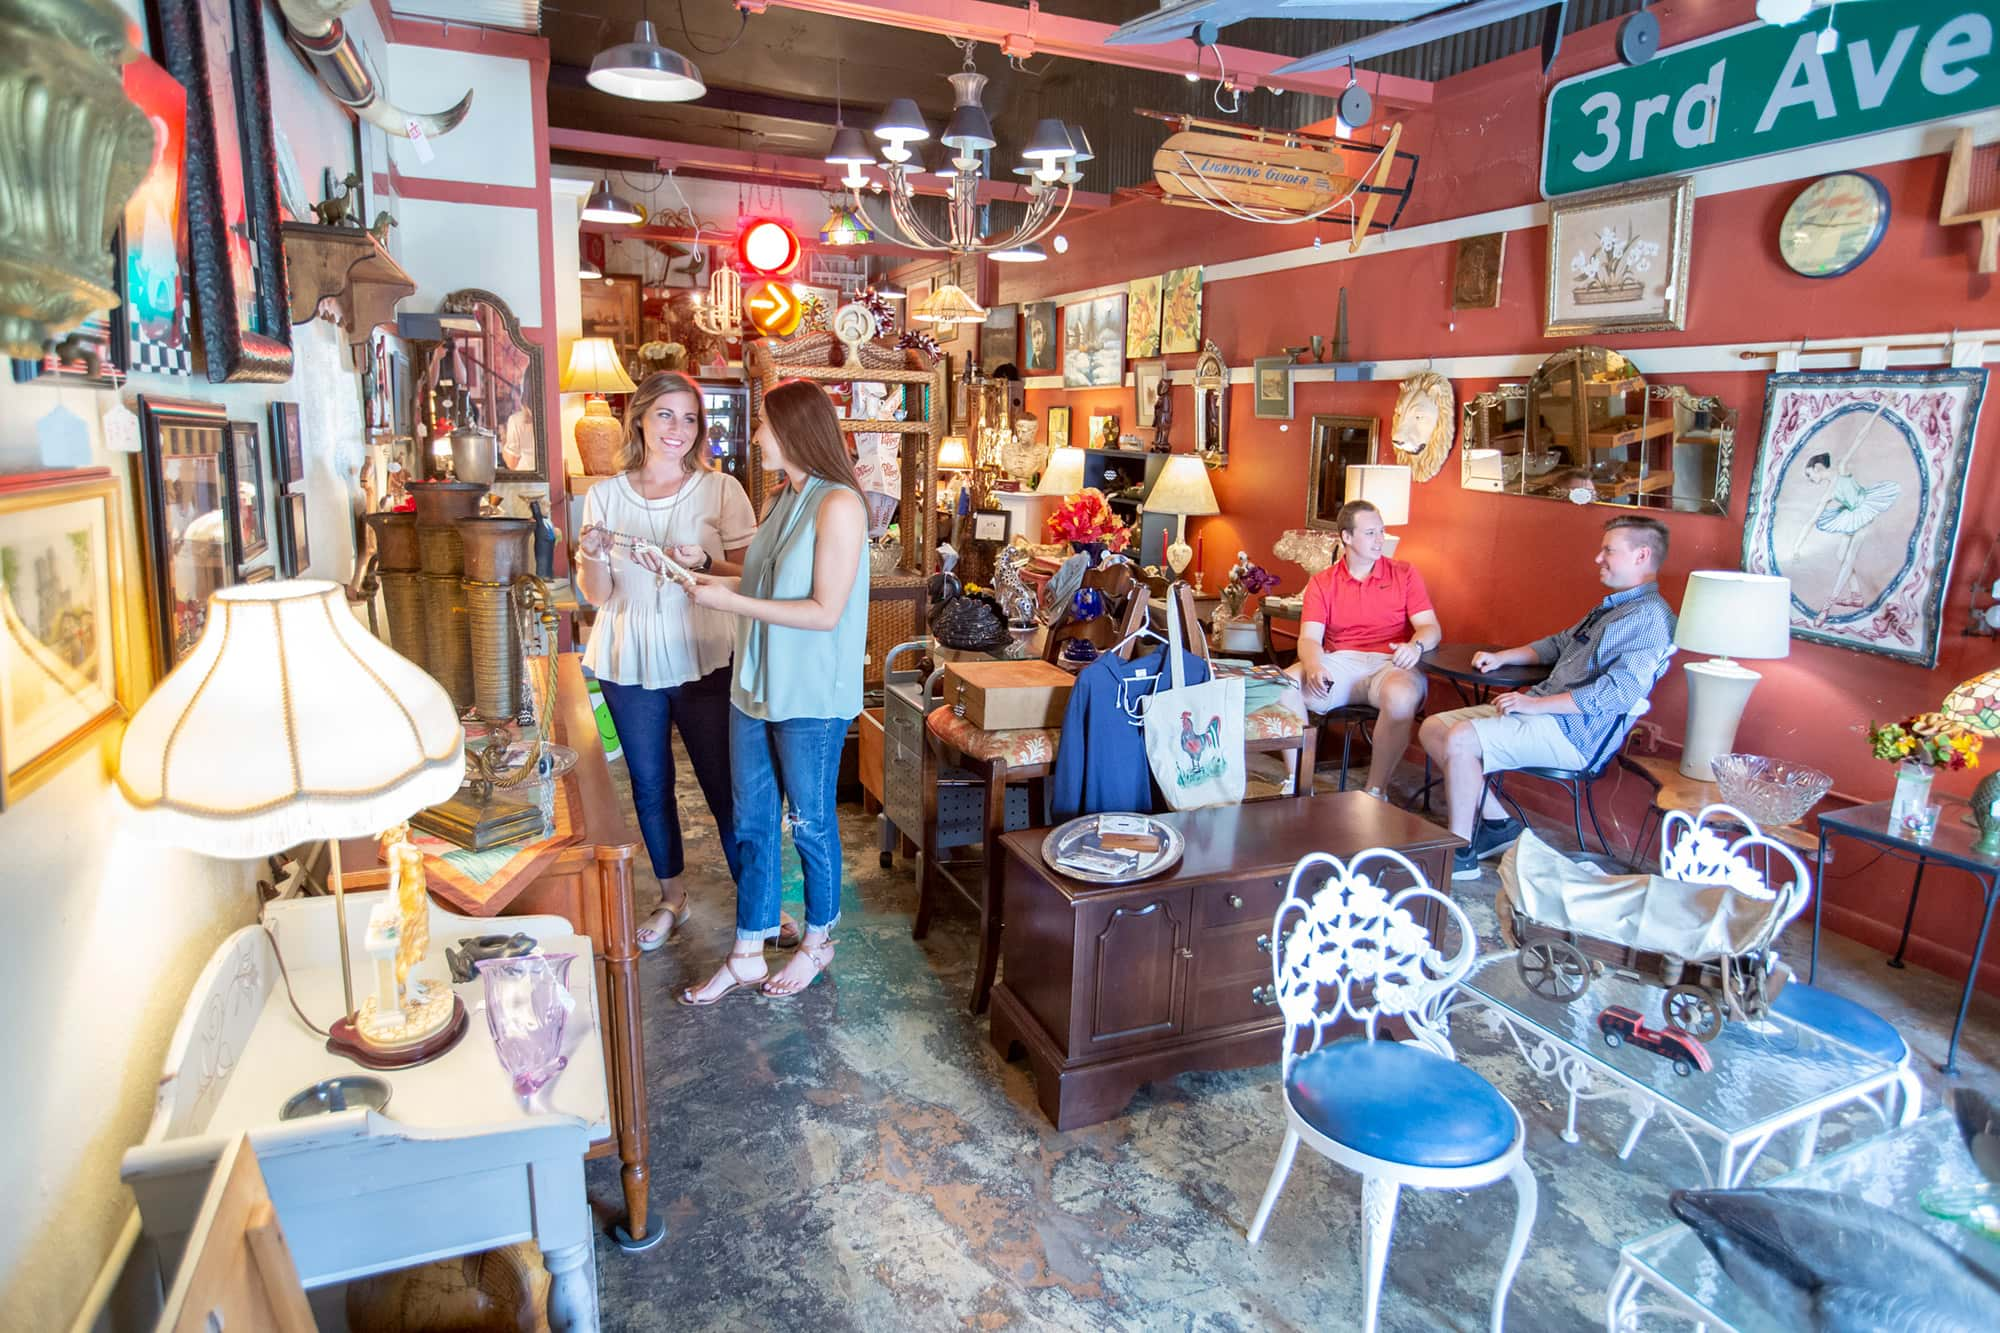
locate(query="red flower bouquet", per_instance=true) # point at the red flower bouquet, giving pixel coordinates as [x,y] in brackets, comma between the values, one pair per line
[1085,517]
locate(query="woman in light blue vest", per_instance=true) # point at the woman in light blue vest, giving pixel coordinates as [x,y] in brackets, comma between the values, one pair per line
[801,634]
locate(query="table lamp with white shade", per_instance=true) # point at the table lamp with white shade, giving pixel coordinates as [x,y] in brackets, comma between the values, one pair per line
[594,368]
[1387,487]
[1063,473]
[1730,614]
[288,722]
[1182,489]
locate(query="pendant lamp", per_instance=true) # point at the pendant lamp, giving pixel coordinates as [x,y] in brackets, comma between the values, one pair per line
[645,71]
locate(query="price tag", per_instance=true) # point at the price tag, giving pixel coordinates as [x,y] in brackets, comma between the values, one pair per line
[121,428]
[425,152]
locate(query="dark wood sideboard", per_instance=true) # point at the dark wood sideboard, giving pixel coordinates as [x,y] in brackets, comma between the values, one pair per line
[1109,988]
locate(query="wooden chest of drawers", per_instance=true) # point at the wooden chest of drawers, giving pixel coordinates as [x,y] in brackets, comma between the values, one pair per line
[1110,988]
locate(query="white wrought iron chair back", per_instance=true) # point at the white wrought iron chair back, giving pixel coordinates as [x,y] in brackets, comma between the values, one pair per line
[1353,951]
[1693,852]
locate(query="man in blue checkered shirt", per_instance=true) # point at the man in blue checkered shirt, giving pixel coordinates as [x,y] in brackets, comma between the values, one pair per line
[1600,671]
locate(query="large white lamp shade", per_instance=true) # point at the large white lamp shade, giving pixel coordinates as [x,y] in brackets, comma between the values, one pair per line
[1063,475]
[1730,614]
[288,723]
[1182,489]
[1387,487]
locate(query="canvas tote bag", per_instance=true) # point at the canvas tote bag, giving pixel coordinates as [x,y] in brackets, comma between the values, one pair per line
[1194,733]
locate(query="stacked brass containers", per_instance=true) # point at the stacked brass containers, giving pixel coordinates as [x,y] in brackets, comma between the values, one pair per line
[496,550]
[441,505]
[398,564]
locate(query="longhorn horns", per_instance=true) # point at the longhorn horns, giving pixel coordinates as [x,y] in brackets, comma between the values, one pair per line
[315,28]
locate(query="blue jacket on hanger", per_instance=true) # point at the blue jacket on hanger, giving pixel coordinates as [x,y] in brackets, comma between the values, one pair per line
[1101,762]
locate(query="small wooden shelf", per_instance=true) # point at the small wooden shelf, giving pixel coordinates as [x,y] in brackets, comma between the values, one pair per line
[348,265]
[1619,434]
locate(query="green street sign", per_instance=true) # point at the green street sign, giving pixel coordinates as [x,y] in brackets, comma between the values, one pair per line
[1763,89]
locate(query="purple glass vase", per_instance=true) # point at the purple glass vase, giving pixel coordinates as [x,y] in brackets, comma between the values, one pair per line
[527,1007]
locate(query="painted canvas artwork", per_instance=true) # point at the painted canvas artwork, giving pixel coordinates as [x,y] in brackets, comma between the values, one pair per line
[1142,317]
[56,625]
[1180,311]
[156,323]
[1038,338]
[1094,343]
[1856,500]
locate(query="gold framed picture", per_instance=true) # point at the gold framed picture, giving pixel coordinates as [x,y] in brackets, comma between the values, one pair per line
[65,663]
[1618,259]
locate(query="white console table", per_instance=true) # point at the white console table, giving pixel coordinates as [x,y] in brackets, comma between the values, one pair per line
[455,1164]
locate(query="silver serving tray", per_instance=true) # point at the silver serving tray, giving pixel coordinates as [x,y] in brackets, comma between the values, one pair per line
[1081,832]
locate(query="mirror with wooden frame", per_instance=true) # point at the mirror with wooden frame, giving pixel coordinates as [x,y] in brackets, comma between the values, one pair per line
[486,371]
[1211,407]
[1590,429]
[1337,444]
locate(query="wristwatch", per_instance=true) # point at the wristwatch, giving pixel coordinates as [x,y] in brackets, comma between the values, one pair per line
[707,561]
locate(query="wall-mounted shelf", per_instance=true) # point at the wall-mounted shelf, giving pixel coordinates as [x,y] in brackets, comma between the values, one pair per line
[348,265]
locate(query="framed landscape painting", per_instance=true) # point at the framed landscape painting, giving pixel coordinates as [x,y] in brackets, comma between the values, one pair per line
[64,659]
[1094,343]
[1856,500]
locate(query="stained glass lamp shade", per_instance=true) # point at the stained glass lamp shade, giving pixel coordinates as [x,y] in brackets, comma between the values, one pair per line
[1975,706]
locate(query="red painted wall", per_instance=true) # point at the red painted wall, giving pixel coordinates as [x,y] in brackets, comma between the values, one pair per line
[1506,569]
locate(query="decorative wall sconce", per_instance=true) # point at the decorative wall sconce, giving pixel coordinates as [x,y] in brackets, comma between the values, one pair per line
[77,149]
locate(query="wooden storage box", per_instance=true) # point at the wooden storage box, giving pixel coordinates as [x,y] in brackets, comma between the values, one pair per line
[1004,696]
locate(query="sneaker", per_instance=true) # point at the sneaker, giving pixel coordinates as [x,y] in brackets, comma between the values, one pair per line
[1465,864]
[1494,836]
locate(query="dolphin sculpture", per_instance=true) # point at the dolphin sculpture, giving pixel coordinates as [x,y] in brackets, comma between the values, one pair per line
[1836,1264]
[315,28]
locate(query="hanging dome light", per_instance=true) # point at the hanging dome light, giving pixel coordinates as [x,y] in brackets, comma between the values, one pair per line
[902,123]
[889,291]
[604,206]
[1025,252]
[645,71]
[849,149]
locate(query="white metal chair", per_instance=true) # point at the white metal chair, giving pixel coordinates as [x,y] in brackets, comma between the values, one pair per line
[1398,1113]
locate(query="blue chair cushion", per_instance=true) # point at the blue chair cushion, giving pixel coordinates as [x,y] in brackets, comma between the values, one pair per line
[1842,1019]
[1401,1103]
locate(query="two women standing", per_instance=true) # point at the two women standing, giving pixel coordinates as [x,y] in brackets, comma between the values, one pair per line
[792,603]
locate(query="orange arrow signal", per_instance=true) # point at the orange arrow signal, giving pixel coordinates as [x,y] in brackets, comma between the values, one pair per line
[774,309]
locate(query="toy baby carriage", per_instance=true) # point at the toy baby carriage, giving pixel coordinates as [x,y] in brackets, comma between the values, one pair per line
[1705,927]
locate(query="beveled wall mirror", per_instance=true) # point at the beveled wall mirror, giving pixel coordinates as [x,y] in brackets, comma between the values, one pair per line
[1211,407]
[1337,444]
[1590,429]
[486,368]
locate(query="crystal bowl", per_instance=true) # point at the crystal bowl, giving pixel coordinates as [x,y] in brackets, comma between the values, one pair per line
[1774,792]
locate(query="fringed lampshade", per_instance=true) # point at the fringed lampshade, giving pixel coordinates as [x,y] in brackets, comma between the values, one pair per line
[950,305]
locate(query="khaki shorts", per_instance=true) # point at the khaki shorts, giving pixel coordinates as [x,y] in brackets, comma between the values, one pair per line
[1356,677]
[1515,741]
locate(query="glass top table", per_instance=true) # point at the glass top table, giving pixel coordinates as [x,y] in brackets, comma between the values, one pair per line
[1769,1074]
[1671,1272]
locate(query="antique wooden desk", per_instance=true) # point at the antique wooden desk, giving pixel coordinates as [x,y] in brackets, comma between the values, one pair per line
[1108,988]
[588,884]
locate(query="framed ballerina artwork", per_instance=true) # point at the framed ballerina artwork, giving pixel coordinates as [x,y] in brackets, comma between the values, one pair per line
[1856,499]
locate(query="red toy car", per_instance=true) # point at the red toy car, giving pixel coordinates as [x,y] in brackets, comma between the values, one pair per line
[1620,1025]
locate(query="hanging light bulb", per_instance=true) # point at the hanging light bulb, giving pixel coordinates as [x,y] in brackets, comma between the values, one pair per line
[645,71]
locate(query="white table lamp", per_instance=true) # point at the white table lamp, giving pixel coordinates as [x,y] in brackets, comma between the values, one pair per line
[1063,474]
[1182,489]
[287,723]
[1387,487]
[1729,614]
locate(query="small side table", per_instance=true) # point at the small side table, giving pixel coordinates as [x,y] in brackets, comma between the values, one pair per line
[1950,846]
[1675,790]
[1453,662]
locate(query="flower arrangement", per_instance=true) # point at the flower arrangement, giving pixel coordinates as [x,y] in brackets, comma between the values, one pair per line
[1928,739]
[1611,271]
[1085,517]
[1246,580]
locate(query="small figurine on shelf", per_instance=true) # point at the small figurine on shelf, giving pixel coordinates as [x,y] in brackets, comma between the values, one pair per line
[1015,598]
[1163,416]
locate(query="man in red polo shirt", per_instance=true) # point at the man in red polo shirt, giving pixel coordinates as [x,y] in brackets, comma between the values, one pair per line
[1367,620]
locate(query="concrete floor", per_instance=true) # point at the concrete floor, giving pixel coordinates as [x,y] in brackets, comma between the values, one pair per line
[859,1158]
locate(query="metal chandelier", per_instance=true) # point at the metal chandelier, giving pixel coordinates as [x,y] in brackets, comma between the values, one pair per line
[1050,162]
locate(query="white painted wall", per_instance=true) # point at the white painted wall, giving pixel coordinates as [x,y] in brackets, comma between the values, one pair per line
[566,201]
[449,246]
[494,144]
[105,935]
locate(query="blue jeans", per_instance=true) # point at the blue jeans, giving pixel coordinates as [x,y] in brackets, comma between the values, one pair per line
[645,719]
[796,761]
